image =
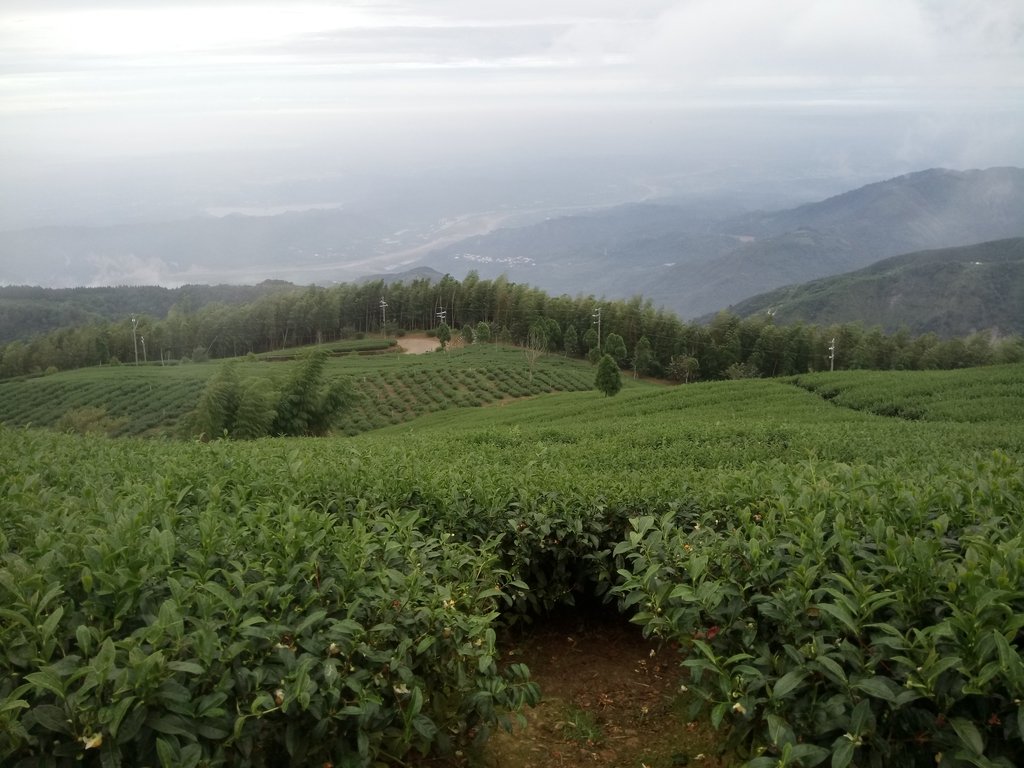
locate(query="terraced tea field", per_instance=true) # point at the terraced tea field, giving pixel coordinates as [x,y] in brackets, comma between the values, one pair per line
[829,586]
[391,388]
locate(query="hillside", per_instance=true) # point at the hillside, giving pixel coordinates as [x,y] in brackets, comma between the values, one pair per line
[26,311]
[927,209]
[390,388]
[692,256]
[696,261]
[827,564]
[589,253]
[952,292]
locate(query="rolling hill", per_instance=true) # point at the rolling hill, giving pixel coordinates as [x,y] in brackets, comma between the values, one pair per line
[952,292]
[390,388]
[28,310]
[698,262]
[694,257]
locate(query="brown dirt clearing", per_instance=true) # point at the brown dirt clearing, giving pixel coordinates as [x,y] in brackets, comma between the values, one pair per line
[418,345]
[611,699]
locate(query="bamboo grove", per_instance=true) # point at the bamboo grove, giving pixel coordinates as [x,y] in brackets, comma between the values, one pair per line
[727,347]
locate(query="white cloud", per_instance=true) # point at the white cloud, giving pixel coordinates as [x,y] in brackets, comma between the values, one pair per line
[208,75]
[904,48]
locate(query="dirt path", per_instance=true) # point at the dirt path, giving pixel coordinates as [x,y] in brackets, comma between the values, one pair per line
[611,699]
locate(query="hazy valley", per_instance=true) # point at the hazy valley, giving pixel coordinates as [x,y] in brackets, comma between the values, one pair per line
[693,257]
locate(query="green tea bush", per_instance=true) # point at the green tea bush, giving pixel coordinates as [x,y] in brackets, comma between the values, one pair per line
[170,625]
[855,616]
[844,588]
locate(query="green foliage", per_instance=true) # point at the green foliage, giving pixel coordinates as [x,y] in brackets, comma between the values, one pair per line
[683,368]
[388,388]
[482,333]
[644,362]
[850,613]
[89,419]
[950,292]
[825,571]
[741,371]
[444,334]
[234,408]
[284,317]
[218,405]
[307,405]
[615,346]
[545,334]
[582,726]
[570,341]
[608,379]
[958,396]
[232,627]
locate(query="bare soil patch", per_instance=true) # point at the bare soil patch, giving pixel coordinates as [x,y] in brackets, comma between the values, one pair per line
[611,699]
[418,345]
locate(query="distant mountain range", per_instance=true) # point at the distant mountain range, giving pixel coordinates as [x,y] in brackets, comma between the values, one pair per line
[699,263]
[691,257]
[953,292]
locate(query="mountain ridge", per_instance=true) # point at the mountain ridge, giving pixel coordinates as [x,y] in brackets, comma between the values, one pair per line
[692,257]
[950,291]
[700,264]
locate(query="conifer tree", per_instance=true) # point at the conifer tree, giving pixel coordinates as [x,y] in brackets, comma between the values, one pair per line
[608,378]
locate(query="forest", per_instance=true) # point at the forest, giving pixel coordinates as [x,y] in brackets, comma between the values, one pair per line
[654,342]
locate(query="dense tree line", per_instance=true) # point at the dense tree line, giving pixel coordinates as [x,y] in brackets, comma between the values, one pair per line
[27,311]
[636,334]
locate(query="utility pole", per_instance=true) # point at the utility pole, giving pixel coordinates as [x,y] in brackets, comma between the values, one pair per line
[832,355]
[597,317]
[384,314]
[442,314]
[145,357]
[135,341]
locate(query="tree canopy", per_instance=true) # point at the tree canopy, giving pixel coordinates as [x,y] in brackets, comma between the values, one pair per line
[608,379]
[246,409]
[296,316]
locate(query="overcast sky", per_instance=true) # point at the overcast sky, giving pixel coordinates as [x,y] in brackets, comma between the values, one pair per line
[920,82]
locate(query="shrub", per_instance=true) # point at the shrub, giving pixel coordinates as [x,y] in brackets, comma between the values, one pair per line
[88,420]
[608,379]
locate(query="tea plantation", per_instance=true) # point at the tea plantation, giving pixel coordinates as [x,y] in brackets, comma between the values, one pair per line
[151,400]
[838,558]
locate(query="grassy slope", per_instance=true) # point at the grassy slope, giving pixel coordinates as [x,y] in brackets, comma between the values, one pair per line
[393,388]
[992,395]
[641,449]
[658,440]
[953,292]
